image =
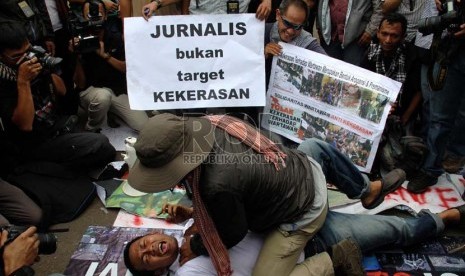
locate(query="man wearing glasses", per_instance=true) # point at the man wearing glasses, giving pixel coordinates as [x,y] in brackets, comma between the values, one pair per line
[290,20]
[29,122]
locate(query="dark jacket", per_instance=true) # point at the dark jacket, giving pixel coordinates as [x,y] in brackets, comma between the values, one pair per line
[247,193]
[412,82]
[38,26]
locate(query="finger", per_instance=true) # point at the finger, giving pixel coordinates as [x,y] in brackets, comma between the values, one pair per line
[36,245]
[164,209]
[29,232]
[4,237]
[174,210]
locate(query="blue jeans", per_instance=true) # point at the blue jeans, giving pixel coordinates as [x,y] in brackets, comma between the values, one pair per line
[447,109]
[375,231]
[337,168]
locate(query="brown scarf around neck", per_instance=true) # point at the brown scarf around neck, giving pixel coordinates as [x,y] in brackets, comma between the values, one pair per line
[261,144]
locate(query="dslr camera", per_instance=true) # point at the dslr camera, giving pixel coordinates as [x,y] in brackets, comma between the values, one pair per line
[47,241]
[48,62]
[83,30]
[451,18]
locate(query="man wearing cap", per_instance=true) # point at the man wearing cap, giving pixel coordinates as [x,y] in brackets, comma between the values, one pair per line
[243,181]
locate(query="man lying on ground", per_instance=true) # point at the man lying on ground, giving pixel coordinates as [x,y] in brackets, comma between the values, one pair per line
[156,252]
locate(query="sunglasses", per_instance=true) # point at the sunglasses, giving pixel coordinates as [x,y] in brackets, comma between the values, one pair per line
[290,25]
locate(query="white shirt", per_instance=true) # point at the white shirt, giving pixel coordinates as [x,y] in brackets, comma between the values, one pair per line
[243,257]
[53,14]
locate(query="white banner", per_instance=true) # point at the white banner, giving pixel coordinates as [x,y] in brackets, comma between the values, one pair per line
[195,61]
[313,95]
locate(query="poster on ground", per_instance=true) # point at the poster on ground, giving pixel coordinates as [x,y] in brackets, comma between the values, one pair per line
[313,95]
[100,251]
[195,61]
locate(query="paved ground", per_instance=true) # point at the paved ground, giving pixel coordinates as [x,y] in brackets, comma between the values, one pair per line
[68,241]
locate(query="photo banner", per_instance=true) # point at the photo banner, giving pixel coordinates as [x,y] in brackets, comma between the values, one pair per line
[313,95]
[195,61]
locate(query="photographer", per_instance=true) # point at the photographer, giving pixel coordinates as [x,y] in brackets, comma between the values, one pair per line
[28,93]
[100,74]
[33,18]
[447,102]
[19,254]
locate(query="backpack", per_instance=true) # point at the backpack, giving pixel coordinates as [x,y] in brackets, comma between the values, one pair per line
[400,151]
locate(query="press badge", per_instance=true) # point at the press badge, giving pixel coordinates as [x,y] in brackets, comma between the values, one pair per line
[26,9]
[233,6]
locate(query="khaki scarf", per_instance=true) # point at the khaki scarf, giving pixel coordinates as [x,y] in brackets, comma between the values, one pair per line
[252,138]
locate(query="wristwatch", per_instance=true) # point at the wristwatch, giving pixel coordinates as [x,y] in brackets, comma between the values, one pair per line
[158,3]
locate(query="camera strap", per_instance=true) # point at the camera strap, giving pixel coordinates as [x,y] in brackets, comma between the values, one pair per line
[441,53]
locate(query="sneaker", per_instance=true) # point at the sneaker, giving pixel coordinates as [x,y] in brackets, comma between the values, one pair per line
[421,181]
[347,258]
[453,163]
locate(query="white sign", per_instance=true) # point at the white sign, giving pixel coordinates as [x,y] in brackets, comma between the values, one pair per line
[195,61]
[311,95]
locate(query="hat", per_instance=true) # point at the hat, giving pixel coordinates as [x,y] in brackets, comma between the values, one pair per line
[130,191]
[168,148]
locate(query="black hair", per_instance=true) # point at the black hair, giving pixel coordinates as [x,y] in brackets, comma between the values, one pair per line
[13,35]
[128,263]
[298,3]
[395,17]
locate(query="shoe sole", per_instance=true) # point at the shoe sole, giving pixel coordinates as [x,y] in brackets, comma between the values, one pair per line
[384,193]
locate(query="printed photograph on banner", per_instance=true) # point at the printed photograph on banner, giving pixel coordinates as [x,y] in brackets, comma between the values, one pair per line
[447,263]
[347,96]
[315,96]
[100,251]
[453,244]
[404,262]
[297,125]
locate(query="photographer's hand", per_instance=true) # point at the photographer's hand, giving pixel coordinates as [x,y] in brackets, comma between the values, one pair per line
[22,251]
[29,70]
[461,33]
[50,45]
[101,50]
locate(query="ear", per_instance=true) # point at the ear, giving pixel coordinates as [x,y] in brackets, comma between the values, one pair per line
[278,14]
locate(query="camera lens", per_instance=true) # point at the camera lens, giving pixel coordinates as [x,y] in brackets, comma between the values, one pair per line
[47,244]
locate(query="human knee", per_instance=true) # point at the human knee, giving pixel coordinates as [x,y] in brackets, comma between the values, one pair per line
[312,146]
[102,98]
[103,149]
[35,216]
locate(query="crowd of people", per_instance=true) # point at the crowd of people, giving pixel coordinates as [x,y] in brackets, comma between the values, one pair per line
[62,79]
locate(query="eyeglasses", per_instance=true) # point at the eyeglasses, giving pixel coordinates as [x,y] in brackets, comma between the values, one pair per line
[19,55]
[290,25]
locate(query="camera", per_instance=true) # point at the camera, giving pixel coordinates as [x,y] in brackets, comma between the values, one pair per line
[47,241]
[48,62]
[82,30]
[452,17]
